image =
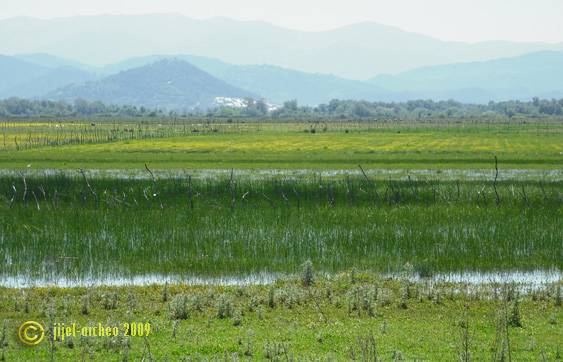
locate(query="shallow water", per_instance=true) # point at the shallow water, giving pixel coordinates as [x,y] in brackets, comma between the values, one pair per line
[395,174]
[138,280]
[530,280]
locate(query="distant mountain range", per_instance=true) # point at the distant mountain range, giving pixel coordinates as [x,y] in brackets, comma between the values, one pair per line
[360,51]
[189,81]
[274,83]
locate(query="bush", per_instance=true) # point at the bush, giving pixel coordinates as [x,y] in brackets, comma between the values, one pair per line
[307,274]
[179,307]
[224,307]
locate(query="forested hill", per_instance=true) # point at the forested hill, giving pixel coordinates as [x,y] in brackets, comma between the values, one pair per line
[168,83]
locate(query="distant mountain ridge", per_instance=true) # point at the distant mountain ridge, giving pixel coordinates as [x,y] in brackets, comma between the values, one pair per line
[20,78]
[538,74]
[14,72]
[51,61]
[359,51]
[53,79]
[169,84]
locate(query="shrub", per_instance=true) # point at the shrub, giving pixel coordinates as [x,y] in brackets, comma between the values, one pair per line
[224,307]
[307,274]
[179,307]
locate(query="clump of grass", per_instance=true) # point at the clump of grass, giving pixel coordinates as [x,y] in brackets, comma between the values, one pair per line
[384,297]
[4,340]
[237,318]
[131,301]
[438,300]
[514,320]
[260,314]
[272,297]
[290,296]
[277,351]
[510,292]
[424,269]
[403,300]
[87,345]
[361,299]
[196,303]
[165,292]
[109,301]
[254,302]
[397,355]
[26,306]
[384,327]
[85,308]
[366,349]
[501,349]
[249,345]
[115,343]
[465,339]
[553,319]
[353,276]
[125,351]
[175,324]
[69,342]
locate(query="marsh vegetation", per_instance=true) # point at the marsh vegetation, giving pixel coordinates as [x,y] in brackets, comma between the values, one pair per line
[86,228]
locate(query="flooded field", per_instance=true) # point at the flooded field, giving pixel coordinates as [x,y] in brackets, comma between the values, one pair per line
[91,228]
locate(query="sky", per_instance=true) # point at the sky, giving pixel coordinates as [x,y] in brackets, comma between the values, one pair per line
[461,20]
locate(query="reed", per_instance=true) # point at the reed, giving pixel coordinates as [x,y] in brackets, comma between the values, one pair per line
[120,228]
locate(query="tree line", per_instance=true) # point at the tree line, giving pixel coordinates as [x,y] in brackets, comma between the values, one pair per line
[259,109]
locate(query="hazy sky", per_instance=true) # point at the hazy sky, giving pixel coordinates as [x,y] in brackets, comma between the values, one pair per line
[466,20]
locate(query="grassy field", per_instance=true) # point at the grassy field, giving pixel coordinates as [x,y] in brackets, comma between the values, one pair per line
[350,316]
[103,202]
[282,146]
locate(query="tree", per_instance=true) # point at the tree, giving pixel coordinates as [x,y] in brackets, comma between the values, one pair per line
[262,107]
[291,105]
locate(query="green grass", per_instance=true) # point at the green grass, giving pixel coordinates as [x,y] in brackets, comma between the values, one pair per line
[336,319]
[287,146]
[60,227]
